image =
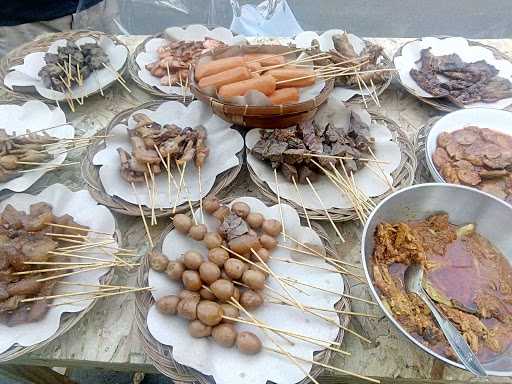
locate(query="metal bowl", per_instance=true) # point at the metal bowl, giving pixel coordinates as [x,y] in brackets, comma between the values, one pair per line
[495,119]
[464,205]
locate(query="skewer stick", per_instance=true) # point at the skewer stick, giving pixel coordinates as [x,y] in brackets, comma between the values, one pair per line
[309,339]
[58,263]
[191,207]
[284,352]
[301,202]
[315,252]
[69,274]
[153,193]
[50,167]
[182,174]
[361,89]
[382,171]
[331,310]
[99,84]
[368,89]
[168,73]
[306,59]
[67,254]
[271,272]
[305,264]
[279,201]
[103,296]
[77,228]
[51,297]
[200,194]
[92,285]
[375,92]
[291,280]
[325,210]
[142,215]
[36,131]
[276,55]
[345,372]
[118,76]
[345,158]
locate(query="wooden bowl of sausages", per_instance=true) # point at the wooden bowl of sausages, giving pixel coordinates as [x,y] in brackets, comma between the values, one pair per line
[231,72]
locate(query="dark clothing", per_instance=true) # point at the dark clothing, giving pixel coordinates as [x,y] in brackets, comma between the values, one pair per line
[14,12]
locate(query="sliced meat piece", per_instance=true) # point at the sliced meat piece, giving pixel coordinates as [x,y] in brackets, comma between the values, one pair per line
[449,173]
[24,287]
[497,163]
[494,189]
[444,139]
[455,151]
[289,172]
[468,177]
[37,311]
[12,217]
[440,157]
[307,173]
[36,247]
[490,174]
[465,136]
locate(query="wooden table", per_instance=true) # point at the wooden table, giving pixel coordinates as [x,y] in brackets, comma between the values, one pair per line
[107,336]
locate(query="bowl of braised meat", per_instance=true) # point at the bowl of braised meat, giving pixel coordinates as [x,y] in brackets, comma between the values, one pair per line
[473,147]
[458,235]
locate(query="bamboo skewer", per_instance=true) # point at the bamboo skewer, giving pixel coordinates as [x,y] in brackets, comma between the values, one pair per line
[77,228]
[321,309]
[279,201]
[301,202]
[70,273]
[276,55]
[286,353]
[118,76]
[67,254]
[142,215]
[103,296]
[200,194]
[36,131]
[309,339]
[382,171]
[305,264]
[325,210]
[49,167]
[323,365]
[345,158]
[151,192]
[283,286]
[70,294]
[178,192]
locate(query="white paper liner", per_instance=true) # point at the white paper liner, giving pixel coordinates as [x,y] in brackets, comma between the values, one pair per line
[305,40]
[371,183]
[195,32]
[224,143]
[228,366]
[411,53]
[497,120]
[85,211]
[26,75]
[256,98]
[34,115]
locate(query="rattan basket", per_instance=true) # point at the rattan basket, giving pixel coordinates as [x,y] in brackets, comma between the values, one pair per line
[252,116]
[442,103]
[67,320]
[403,177]
[41,44]
[90,173]
[420,139]
[160,355]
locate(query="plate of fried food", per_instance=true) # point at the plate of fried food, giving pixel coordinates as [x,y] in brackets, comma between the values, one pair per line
[466,265]
[33,141]
[71,68]
[473,147]
[224,300]
[454,73]
[361,69]
[334,162]
[161,63]
[41,279]
[165,155]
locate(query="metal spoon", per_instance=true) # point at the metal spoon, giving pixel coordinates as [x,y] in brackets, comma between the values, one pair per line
[413,277]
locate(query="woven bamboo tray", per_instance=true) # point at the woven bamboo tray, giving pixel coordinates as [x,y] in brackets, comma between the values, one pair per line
[268,117]
[133,69]
[442,103]
[41,44]
[67,320]
[403,177]
[379,88]
[90,173]
[160,355]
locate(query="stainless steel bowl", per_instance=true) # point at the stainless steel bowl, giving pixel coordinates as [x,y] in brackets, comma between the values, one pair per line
[493,219]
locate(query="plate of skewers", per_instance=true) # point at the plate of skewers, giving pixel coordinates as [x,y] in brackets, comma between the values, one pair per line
[243,293]
[66,66]
[57,250]
[451,73]
[162,157]
[160,64]
[34,139]
[361,69]
[333,167]
[265,86]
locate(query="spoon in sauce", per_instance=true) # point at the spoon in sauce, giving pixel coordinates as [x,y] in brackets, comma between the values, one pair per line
[412,278]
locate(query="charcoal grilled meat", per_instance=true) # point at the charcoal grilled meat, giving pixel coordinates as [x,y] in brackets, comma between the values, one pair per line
[290,149]
[462,83]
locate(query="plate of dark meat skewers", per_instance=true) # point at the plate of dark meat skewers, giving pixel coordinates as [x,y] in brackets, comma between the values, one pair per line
[34,139]
[452,73]
[71,68]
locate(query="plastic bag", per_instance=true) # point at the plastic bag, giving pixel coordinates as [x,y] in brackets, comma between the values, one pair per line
[269,18]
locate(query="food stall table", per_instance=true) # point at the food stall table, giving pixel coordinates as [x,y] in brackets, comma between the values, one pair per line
[107,337]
